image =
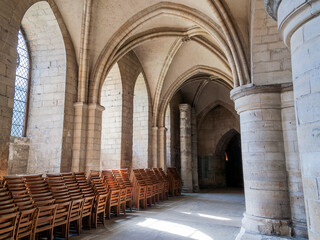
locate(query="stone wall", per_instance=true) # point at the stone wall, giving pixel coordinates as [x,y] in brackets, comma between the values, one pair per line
[140,146]
[111,99]
[9,27]
[117,119]
[47,89]
[18,155]
[211,166]
[270,58]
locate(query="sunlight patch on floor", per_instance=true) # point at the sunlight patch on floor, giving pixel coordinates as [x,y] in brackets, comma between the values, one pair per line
[174,228]
[214,217]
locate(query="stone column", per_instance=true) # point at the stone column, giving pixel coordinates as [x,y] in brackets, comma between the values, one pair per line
[298,215]
[155,147]
[94,137]
[264,168]
[79,137]
[299,25]
[194,136]
[185,147]
[162,147]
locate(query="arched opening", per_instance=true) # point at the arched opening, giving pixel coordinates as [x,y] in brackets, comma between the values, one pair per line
[46,145]
[21,91]
[140,124]
[234,173]
[111,99]
[218,153]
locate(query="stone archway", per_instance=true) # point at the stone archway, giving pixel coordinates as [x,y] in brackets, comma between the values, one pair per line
[229,151]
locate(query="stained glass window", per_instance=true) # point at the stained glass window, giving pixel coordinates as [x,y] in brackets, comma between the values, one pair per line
[20,88]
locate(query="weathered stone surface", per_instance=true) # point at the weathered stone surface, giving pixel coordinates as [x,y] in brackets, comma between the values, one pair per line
[18,155]
[186,147]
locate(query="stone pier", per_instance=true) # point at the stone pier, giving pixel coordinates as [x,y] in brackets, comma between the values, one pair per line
[299,26]
[185,147]
[162,147]
[194,136]
[264,167]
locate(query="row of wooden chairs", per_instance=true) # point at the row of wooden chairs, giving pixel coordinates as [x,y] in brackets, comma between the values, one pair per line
[33,205]
[149,185]
[175,182]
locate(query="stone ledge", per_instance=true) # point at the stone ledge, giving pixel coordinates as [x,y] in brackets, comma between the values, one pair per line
[250,89]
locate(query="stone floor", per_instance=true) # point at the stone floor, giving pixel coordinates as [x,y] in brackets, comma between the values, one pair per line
[209,215]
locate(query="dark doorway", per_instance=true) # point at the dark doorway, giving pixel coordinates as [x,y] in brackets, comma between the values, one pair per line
[234,174]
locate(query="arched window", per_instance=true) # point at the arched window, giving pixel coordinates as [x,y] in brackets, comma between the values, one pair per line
[20,88]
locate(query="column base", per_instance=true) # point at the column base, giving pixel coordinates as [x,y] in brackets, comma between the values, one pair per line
[300,230]
[196,189]
[186,190]
[256,228]
[244,235]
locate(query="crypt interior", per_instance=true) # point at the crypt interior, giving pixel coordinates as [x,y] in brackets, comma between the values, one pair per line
[219,96]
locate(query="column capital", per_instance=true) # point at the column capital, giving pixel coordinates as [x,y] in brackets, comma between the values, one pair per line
[96,106]
[250,97]
[184,107]
[80,105]
[291,15]
[163,129]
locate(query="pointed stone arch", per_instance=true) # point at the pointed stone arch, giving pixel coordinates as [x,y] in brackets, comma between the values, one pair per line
[105,59]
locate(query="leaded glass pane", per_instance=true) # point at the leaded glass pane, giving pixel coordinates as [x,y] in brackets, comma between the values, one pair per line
[21,88]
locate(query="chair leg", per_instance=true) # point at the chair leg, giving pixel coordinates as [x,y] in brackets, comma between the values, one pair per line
[78,223]
[65,231]
[89,221]
[50,237]
[95,220]
[109,212]
[103,219]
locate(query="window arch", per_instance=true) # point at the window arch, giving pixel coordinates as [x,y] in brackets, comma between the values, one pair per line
[21,87]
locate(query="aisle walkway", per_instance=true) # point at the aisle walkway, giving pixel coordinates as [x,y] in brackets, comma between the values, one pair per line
[210,215]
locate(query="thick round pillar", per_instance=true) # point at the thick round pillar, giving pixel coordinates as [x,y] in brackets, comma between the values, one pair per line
[264,167]
[299,25]
[289,128]
[162,147]
[185,147]
[155,147]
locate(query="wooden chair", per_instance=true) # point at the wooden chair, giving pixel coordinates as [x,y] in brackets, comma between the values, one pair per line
[42,196]
[100,209]
[139,189]
[174,181]
[8,224]
[66,190]
[125,183]
[76,194]
[165,181]
[102,196]
[151,187]
[9,214]
[45,220]
[99,200]
[23,200]
[117,195]
[25,224]
[158,182]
